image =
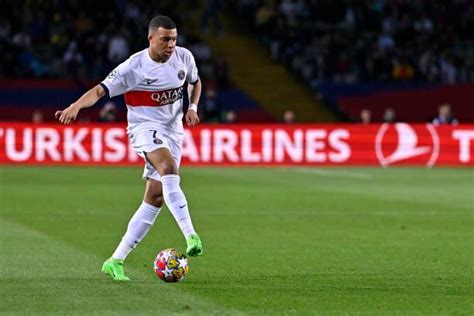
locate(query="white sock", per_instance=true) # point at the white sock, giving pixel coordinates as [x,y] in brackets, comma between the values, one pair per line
[138,227]
[177,204]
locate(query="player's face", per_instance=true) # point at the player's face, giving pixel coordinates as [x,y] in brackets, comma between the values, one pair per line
[163,42]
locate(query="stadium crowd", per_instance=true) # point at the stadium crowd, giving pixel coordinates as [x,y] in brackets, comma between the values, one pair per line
[367,40]
[83,40]
[347,41]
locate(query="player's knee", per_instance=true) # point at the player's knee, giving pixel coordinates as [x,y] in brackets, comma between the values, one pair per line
[167,168]
[158,200]
[154,193]
[155,200]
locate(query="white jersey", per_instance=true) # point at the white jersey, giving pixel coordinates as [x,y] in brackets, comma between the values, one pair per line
[153,91]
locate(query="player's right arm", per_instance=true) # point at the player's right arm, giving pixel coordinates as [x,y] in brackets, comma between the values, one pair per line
[88,99]
[120,80]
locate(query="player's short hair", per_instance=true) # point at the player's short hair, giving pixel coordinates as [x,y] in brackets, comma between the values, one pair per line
[161,21]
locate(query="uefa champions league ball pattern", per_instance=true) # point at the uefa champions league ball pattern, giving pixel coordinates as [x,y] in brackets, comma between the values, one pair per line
[171,265]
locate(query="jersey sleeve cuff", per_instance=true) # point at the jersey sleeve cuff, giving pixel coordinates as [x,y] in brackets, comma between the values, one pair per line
[105,88]
[193,83]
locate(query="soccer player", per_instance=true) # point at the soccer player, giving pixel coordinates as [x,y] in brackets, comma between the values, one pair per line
[152,82]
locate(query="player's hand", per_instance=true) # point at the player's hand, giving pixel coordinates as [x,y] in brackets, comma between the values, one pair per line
[68,115]
[192,118]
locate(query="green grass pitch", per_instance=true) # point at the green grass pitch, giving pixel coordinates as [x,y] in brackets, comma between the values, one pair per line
[337,241]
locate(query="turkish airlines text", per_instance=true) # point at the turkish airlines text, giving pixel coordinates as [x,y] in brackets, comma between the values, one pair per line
[291,145]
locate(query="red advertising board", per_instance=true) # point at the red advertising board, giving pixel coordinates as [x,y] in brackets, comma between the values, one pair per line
[227,145]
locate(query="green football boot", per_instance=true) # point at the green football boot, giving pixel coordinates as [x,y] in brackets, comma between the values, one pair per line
[194,246]
[114,268]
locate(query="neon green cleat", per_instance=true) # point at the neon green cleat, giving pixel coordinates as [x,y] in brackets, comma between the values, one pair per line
[194,246]
[114,268]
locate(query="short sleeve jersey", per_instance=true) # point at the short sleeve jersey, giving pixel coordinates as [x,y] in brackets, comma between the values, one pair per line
[153,91]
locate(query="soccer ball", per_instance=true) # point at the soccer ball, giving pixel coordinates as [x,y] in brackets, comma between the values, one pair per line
[171,265]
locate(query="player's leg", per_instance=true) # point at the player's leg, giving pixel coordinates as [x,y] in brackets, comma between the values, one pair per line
[141,222]
[139,225]
[163,161]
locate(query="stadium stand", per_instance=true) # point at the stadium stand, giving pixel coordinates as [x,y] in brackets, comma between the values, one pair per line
[336,46]
[346,56]
[370,40]
[72,45]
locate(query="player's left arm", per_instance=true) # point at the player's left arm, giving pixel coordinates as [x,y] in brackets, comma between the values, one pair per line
[194,93]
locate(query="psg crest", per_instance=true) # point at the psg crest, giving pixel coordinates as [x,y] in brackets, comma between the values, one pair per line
[181,75]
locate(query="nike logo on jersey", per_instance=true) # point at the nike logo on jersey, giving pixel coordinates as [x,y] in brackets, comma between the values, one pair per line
[181,206]
[150,81]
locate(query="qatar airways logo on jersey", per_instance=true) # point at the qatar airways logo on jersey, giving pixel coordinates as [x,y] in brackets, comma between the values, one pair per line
[154,98]
[167,96]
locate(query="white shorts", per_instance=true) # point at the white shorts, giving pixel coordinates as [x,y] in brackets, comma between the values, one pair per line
[147,139]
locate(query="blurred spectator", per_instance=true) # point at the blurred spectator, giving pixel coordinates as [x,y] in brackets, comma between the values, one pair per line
[263,18]
[229,117]
[83,22]
[365,116]
[448,71]
[212,16]
[134,15]
[386,42]
[289,117]
[108,113]
[389,116]
[118,48]
[37,117]
[73,59]
[402,70]
[203,54]
[445,116]
[22,39]
[201,50]
[423,25]
[209,107]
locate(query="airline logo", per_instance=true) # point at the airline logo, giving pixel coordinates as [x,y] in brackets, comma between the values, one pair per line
[154,98]
[400,144]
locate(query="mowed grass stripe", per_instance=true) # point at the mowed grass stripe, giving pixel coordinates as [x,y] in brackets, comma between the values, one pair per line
[43,275]
[418,185]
